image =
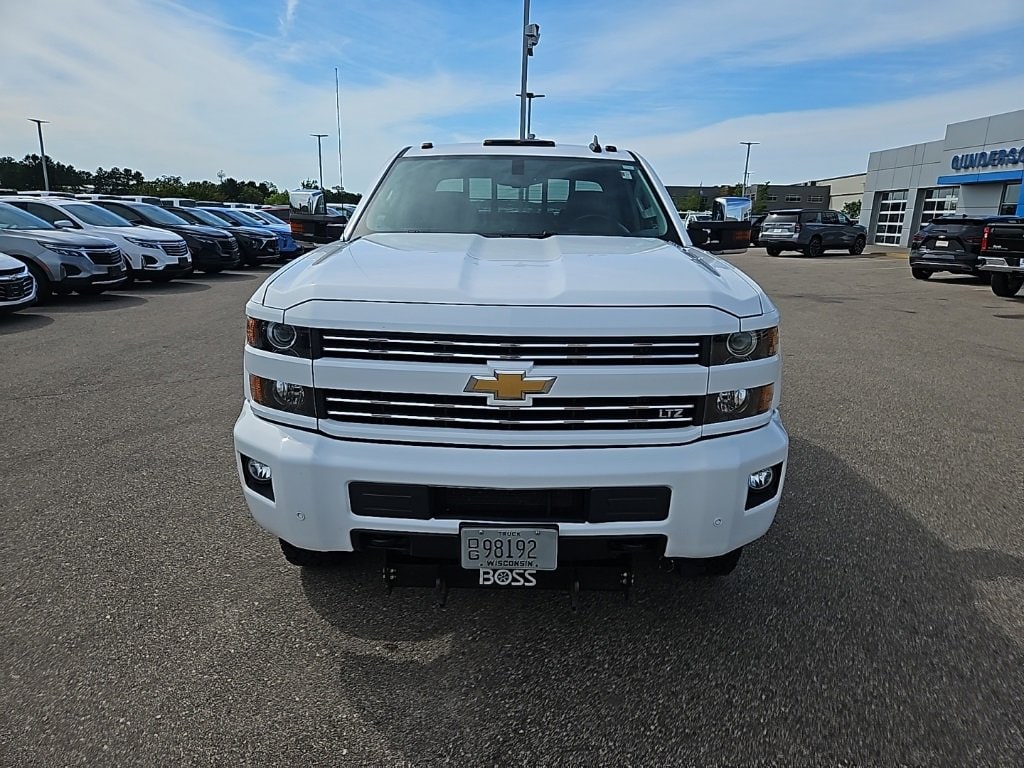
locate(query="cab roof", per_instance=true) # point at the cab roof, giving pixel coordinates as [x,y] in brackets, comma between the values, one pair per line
[531,147]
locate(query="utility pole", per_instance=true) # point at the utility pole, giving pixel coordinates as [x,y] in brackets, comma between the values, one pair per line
[337,98]
[746,166]
[320,155]
[42,152]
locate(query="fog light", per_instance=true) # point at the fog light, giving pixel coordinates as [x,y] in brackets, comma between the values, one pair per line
[733,401]
[261,472]
[761,479]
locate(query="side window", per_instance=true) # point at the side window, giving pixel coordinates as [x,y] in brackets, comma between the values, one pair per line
[45,212]
[812,217]
[829,217]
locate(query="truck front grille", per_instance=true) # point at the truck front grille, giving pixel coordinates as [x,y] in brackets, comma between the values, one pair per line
[473,412]
[546,350]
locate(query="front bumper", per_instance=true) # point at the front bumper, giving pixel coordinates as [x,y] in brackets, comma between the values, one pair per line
[12,299]
[707,478]
[211,256]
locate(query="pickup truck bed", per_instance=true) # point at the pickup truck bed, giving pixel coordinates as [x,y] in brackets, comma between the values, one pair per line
[1002,256]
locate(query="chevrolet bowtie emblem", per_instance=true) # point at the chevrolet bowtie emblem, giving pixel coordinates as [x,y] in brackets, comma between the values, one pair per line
[510,387]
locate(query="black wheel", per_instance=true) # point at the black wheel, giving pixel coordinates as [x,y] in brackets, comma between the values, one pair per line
[815,248]
[1006,285]
[44,289]
[773,250]
[130,281]
[309,558]
[920,274]
[211,270]
[162,278]
[858,246]
[709,567]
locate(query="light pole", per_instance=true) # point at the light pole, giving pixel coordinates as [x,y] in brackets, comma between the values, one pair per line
[746,166]
[529,111]
[337,98]
[320,154]
[42,152]
[531,36]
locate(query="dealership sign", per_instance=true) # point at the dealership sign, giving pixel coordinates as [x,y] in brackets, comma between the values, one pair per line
[996,157]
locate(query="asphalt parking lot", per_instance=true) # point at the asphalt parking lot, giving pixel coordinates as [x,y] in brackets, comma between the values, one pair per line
[146,619]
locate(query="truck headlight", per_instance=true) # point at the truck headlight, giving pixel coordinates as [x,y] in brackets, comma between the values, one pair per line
[281,338]
[283,396]
[738,404]
[743,346]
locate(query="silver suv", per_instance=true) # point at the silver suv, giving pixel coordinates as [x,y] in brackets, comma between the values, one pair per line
[811,232]
[60,261]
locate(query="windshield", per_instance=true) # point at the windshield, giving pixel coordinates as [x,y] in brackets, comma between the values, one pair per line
[96,216]
[158,215]
[15,218]
[206,217]
[217,218]
[517,196]
[265,218]
[243,217]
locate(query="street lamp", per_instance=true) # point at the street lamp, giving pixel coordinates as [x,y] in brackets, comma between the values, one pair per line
[529,110]
[320,154]
[746,166]
[42,152]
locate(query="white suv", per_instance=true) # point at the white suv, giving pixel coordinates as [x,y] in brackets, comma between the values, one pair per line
[17,286]
[513,370]
[151,254]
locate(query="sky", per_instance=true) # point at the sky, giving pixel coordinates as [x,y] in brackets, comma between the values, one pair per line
[191,88]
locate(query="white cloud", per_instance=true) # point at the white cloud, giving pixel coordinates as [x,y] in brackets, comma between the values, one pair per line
[290,7]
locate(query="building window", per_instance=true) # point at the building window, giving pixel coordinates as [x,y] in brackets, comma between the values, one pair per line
[1011,196]
[939,201]
[892,209]
[792,198]
[771,198]
[816,199]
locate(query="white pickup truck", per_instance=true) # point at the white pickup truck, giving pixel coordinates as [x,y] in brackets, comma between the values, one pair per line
[513,370]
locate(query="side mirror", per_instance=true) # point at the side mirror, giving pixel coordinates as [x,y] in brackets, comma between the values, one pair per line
[64,224]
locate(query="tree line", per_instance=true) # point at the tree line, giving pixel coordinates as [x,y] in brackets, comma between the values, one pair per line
[27,174]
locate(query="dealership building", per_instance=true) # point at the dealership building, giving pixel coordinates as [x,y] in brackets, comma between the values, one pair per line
[976,169]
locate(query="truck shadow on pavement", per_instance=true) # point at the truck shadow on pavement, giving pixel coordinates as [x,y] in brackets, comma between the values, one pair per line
[17,322]
[850,633]
[104,302]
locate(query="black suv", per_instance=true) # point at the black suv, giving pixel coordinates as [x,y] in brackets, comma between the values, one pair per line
[952,244]
[213,250]
[811,232]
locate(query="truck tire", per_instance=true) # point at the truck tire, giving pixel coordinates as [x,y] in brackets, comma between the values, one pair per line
[1006,285]
[709,567]
[309,558]
[920,274]
[858,246]
[773,250]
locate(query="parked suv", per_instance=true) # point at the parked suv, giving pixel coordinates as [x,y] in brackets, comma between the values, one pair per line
[255,243]
[60,261]
[952,244]
[212,249]
[811,232]
[152,254]
[17,286]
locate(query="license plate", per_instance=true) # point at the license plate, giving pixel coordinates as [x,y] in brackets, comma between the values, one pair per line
[509,547]
[942,243]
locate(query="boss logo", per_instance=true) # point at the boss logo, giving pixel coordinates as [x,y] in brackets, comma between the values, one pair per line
[506,577]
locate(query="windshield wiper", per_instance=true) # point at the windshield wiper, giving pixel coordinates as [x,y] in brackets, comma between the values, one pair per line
[532,235]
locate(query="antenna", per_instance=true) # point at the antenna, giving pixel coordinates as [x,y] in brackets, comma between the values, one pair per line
[595,145]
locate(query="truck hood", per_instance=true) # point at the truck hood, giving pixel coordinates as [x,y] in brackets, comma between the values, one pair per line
[561,270]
